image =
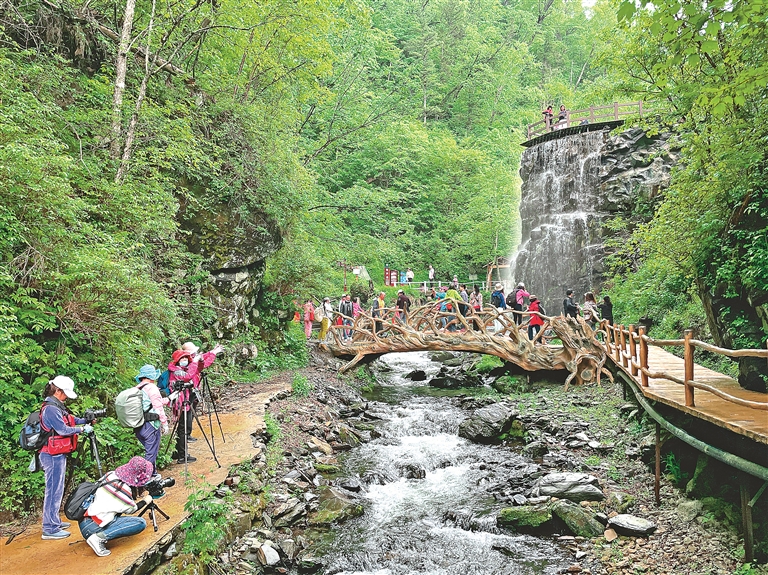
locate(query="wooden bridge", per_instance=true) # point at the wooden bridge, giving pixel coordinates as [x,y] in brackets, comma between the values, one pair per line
[653,373]
[585,120]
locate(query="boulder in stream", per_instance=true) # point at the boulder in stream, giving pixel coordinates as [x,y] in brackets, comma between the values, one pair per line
[488,424]
[335,506]
[525,518]
[573,486]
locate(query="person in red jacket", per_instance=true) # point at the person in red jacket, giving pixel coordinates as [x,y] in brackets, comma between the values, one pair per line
[186,367]
[535,322]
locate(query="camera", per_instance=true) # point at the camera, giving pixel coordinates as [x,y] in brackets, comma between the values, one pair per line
[93,413]
[157,487]
[180,385]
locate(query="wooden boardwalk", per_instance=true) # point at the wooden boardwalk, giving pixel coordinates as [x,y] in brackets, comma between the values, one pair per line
[750,422]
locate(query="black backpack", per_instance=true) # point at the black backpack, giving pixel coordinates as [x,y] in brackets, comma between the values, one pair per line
[81,498]
[33,437]
[496,299]
[512,298]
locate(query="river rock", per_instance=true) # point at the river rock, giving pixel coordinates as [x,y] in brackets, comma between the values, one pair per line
[321,445]
[412,471]
[525,518]
[441,356]
[578,519]
[288,512]
[485,425]
[417,375]
[290,548]
[350,484]
[309,563]
[621,501]
[335,506]
[536,449]
[689,509]
[268,556]
[631,525]
[348,436]
[573,486]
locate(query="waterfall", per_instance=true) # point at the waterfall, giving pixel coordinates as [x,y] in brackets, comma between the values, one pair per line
[562,216]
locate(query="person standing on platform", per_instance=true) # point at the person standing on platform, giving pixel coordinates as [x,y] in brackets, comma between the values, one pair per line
[606,309]
[570,307]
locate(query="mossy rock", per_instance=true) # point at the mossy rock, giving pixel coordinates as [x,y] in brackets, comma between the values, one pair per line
[510,384]
[335,507]
[621,502]
[325,468]
[487,364]
[524,518]
[517,431]
[579,520]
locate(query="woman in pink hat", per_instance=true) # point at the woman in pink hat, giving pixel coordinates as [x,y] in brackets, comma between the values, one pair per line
[104,519]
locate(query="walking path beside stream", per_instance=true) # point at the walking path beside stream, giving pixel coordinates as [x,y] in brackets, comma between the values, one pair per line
[29,554]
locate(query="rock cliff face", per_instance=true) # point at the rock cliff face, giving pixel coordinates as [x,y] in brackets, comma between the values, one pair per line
[234,247]
[572,187]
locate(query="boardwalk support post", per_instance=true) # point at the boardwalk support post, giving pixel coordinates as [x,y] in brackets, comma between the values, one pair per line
[623,346]
[746,519]
[632,351]
[643,357]
[688,358]
[657,477]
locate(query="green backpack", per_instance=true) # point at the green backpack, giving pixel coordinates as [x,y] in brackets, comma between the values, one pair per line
[129,408]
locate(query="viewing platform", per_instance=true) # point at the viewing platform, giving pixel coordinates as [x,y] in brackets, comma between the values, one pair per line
[587,120]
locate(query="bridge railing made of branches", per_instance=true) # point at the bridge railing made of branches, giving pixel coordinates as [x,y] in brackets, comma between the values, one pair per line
[629,348]
[451,325]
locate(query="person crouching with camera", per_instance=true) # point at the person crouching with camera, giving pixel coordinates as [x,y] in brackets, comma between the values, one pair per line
[63,428]
[105,517]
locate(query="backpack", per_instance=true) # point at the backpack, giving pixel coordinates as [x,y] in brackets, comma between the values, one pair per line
[33,437]
[496,300]
[164,383]
[81,498]
[512,298]
[129,408]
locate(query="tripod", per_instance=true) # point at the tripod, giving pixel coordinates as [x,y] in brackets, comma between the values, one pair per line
[95,452]
[187,406]
[207,388]
[152,507]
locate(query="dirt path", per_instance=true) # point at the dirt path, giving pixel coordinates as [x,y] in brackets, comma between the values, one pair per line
[28,553]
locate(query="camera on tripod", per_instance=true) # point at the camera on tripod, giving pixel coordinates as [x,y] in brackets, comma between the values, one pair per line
[179,385]
[157,487]
[94,413]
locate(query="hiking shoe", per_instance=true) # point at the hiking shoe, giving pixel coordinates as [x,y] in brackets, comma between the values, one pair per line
[190,459]
[191,439]
[60,534]
[98,545]
[65,525]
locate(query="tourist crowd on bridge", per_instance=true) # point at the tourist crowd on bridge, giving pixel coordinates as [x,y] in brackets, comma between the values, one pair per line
[453,301]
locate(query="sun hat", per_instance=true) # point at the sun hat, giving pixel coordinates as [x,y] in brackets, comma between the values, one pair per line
[178,354]
[521,285]
[147,372]
[136,472]
[499,286]
[190,347]
[65,384]
[533,298]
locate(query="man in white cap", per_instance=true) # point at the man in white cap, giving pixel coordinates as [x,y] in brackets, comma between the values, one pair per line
[63,428]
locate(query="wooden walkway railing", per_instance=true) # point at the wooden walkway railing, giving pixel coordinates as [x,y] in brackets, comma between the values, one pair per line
[591,115]
[629,348]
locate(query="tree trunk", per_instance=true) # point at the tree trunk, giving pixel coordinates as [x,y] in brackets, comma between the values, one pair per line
[121,67]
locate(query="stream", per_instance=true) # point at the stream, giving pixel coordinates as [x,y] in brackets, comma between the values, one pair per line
[427,509]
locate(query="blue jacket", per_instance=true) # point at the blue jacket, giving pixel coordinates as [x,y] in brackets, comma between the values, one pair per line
[500,294]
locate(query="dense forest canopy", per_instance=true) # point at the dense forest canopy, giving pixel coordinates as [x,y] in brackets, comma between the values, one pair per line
[150,150]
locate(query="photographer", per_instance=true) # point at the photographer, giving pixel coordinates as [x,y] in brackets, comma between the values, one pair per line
[104,518]
[149,434]
[63,428]
[185,372]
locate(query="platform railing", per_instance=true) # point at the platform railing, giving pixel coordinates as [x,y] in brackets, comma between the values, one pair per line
[629,349]
[591,115]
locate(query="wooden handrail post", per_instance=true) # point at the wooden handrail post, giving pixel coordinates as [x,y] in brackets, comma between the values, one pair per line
[591,114]
[643,357]
[640,108]
[615,110]
[618,346]
[623,346]
[688,357]
[608,332]
[632,350]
